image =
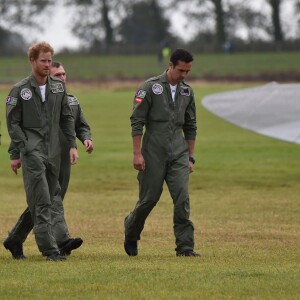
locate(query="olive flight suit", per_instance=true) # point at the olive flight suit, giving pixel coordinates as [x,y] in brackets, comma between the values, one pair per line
[24,225]
[33,126]
[169,124]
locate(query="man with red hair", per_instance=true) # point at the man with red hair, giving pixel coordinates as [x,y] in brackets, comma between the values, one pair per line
[36,109]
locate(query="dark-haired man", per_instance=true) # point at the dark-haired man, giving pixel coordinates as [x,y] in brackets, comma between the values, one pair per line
[165,106]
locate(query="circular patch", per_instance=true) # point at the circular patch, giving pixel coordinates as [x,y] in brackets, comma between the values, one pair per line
[26,94]
[157,89]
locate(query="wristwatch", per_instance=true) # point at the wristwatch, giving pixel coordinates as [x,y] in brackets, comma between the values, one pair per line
[192,159]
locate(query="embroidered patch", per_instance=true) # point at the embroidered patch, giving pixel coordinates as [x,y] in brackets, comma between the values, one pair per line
[141,94]
[138,100]
[157,88]
[73,100]
[11,100]
[26,94]
[57,88]
[185,91]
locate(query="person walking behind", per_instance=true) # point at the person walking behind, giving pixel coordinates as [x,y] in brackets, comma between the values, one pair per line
[165,106]
[36,109]
[18,234]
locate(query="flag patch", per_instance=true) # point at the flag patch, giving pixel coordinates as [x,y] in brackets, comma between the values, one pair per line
[141,94]
[138,100]
[11,100]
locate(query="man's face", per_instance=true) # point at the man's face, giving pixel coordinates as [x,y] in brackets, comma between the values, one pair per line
[41,66]
[59,73]
[179,72]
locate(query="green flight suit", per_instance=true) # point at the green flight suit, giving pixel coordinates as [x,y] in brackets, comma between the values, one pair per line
[24,225]
[33,126]
[168,125]
[82,130]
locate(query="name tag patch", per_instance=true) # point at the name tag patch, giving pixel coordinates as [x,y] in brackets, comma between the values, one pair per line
[185,92]
[57,88]
[73,100]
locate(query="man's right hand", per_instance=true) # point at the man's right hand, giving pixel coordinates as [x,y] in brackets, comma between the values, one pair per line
[139,162]
[15,164]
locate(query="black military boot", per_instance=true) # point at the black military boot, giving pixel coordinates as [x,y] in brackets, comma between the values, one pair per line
[56,257]
[188,253]
[131,248]
[71,244]
[15,248]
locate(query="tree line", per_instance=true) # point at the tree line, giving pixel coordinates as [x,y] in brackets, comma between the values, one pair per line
[119,26]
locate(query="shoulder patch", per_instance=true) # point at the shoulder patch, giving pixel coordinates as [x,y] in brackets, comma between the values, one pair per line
[73,100]
[141,94]
[56,87]
[11,100]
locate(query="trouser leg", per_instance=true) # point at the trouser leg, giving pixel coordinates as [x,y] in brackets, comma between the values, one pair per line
[150,189]
[64,172]
[177,179]
[40,180]
[60,228]
[22,228]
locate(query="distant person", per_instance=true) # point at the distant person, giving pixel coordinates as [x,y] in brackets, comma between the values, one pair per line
[166,52]
[20,231]
[163,51]
[165,106]
[37,108]
[229,47]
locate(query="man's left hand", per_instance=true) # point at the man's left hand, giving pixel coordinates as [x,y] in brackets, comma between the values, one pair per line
[88,146]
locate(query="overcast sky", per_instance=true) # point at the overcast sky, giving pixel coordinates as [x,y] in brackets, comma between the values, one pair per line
[59,36]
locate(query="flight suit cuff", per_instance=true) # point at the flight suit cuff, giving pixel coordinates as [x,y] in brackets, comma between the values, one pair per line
[14,156]
[73,145]
[136,132]
[87,137]
[191,137]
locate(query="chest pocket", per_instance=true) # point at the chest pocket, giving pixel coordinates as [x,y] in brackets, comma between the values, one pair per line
[160,110]
[31,114]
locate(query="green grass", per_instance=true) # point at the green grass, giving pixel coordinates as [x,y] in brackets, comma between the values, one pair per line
[268,66]
[244,205]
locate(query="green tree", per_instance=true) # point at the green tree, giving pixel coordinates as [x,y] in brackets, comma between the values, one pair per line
[94,21]
[204,13]
[17,15]
[145,24]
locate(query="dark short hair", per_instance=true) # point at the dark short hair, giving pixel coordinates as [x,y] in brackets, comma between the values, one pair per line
[56,64]
[181,54]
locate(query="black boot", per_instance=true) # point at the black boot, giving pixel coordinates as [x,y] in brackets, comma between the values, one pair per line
[15,248]
[69,245]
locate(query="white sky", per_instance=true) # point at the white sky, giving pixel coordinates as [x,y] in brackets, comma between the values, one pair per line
[59,36]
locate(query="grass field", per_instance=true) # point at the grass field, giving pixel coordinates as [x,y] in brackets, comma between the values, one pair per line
[244,205]
[275,66]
